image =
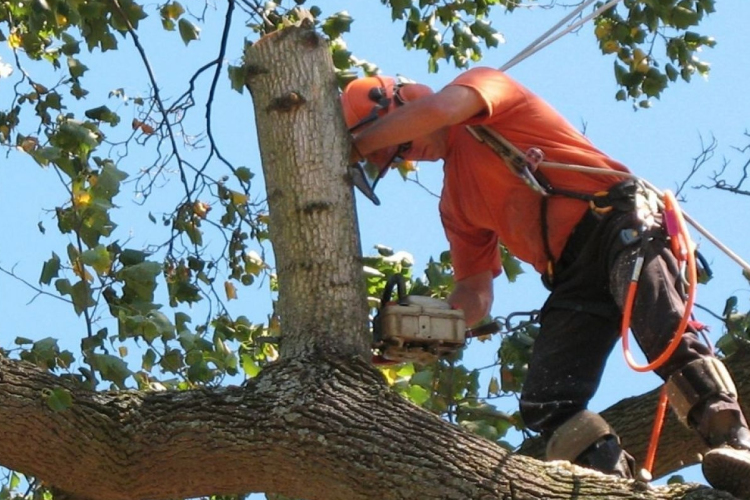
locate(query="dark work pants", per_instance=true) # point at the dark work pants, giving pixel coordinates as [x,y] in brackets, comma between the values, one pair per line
[580,321]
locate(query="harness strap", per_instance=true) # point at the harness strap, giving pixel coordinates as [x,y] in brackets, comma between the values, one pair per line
[518,162]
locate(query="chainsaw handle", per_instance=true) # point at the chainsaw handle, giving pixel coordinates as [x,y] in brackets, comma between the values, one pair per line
[397,281]
[486,329]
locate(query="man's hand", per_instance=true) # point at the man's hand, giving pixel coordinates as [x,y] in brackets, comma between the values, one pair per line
[474,296]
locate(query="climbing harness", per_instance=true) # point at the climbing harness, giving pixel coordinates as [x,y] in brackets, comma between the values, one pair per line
[518,162]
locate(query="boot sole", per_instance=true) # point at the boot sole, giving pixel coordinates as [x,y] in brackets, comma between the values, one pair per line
[729,470]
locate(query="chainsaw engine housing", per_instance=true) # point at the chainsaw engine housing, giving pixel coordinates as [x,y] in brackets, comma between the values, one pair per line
[419,329]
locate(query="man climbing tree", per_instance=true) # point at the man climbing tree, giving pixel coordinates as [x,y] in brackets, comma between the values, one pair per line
[173,391]
[590,234]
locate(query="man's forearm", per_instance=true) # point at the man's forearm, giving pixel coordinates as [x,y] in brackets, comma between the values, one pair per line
[474,296]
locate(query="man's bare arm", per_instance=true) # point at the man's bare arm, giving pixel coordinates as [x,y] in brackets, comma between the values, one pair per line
[452,105]
[474,296]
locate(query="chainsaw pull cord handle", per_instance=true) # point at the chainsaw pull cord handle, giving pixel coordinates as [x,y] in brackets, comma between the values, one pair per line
[683,249]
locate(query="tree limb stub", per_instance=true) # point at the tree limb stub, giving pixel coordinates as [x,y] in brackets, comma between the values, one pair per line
[317,429]
[287,103]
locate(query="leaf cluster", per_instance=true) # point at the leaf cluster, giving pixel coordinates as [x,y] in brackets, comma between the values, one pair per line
[654,43]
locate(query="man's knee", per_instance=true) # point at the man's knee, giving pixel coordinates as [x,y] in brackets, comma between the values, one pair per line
[573,437]
[586,439]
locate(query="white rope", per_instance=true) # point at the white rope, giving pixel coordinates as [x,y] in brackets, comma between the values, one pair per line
[539,44]
[521,55]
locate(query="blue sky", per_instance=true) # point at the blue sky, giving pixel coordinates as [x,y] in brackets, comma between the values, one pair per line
[571,74]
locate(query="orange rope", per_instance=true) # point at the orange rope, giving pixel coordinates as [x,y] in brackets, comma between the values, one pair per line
[684,251]
[661,412]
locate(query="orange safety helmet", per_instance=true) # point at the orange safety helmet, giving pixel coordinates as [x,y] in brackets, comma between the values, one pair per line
[366,99]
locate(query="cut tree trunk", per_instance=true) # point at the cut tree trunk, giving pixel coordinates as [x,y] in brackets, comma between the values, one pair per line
[313,225]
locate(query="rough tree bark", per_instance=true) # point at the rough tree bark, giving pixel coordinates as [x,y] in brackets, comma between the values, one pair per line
[320,423]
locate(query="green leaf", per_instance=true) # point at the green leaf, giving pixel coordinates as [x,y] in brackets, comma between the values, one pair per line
[76,137]
[98,258]
[108,181]
[424,378]
[188,31]
[418,394]
[50,269]
[133,13]
[103,114]
[149,360]
[169,12]
[58,399]
[82,297]
[63,287]
[199,372]
[730,306]
[250,366]
[70,46]
[45,155]
[43,353]
[76,67]
[111,368]
[683,17]
[511,265]
[237,76]
[337,24]
[244,174]
[172,361]
[139,281]
[494,387]
[130,257]
[15,481]
[727,344]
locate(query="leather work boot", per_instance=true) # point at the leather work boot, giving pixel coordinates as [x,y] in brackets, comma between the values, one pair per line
[607,456]
[727,466]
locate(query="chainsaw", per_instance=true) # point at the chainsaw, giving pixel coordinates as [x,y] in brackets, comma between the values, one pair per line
[419,329]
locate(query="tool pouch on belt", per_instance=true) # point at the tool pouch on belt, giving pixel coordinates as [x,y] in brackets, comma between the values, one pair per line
[621,196]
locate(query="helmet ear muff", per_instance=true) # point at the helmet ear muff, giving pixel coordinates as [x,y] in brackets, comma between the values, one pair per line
[365,99]
[379,96]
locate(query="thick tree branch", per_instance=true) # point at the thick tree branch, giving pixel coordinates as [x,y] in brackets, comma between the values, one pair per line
[308,428]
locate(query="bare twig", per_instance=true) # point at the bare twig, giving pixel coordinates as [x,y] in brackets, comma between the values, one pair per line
[706,154]
[160,103]
[38,290]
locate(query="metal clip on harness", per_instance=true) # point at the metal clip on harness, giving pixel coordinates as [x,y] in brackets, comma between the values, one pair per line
[523,166]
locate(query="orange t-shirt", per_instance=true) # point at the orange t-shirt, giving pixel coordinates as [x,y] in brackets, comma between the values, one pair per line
[484,203]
